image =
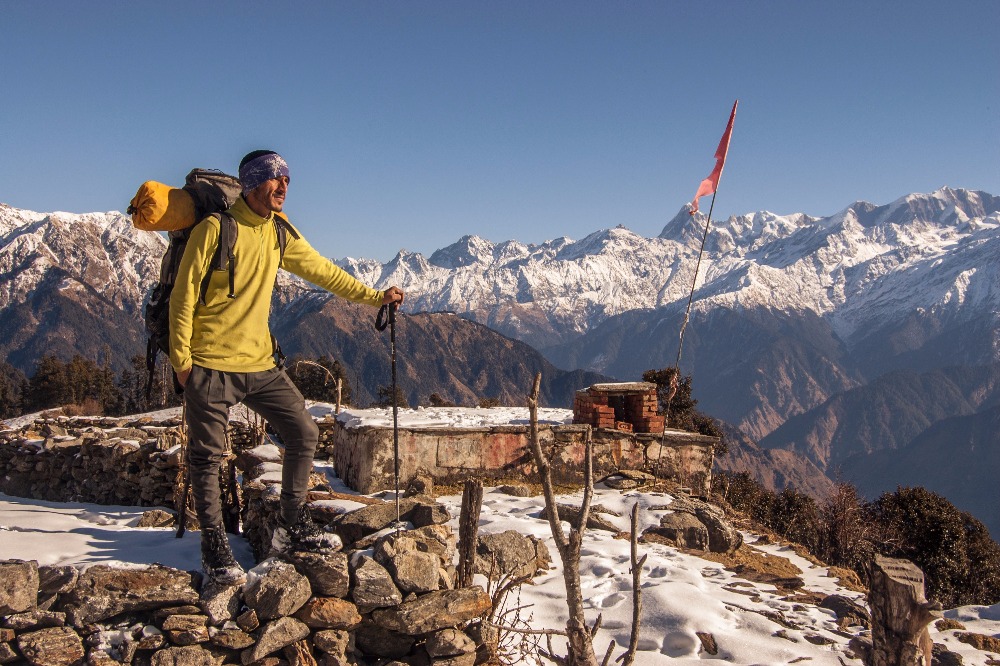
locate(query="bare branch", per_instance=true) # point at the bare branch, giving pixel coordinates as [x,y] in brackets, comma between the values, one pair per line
[633,643]
[607,655]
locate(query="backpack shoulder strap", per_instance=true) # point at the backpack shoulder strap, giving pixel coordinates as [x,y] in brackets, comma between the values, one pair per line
[224,255]
[283,227]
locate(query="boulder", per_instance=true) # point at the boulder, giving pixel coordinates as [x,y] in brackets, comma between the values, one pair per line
[220,602]
[103,592]
[373,586]
[56,579]
[449,643]
[274,636]
[275,589]
[722,536]
[514,553]
[684,530]
[419,510]
[329,613]
[434,611]
[380,642]
[848,611]
[183,656]
[18,586]
[156,518]
[333,642]
[328,574]
[186,629]
[57,646]
[414,571]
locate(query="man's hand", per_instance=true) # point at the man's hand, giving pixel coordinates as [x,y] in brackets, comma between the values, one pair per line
[182,377]
[392,295]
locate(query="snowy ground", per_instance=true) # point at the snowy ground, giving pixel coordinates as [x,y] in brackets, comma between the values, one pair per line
[682,594]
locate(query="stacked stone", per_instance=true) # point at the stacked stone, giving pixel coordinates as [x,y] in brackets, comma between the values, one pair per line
[83,460]
[593,409]
[388,596]
[326,438]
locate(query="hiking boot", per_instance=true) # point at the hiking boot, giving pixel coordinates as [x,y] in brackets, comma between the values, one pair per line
[303,536]
[217,559]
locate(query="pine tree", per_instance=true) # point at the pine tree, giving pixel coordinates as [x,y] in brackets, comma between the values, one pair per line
[385,397]
[48,386]
[12,382]
[317,379]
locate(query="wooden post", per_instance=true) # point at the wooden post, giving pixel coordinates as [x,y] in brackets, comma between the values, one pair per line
[468,531]
[900,614]
[340,388]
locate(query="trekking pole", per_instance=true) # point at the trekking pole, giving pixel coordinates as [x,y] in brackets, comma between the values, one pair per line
[381,321]
[186,472]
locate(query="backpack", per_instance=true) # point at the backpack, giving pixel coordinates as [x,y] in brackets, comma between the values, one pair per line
[159,207]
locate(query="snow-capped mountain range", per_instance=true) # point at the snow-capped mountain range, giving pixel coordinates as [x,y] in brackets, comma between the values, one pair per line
[794,316]
[923,252]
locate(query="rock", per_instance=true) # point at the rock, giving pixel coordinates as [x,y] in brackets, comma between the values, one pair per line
[848,612]
[414,571]
[515,554]
[516,490]
[422,484]
[59,646]
[708,642]
[220,602]
[299,653]
[183,656]
[628,479]
[942,656]
[18,586]
[274,636]
[103,592]
[248,621]
[232,639]
[328,574]
[275,589]
[449,643]
[433,611]
[979,641]
[35,619]
[333,642]
[56,580]
[186,629]
[156,518]
[380,642]
[684,530]
[419,510]
[373,586]
[329,613]
[7,653]
[722,536]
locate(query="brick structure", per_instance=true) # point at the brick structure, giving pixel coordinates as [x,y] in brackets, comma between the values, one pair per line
[629,407]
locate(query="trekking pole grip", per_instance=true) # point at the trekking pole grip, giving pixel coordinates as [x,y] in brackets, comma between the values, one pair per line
[386,316]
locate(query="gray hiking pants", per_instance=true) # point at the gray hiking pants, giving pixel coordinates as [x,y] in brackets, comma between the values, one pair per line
[208,396]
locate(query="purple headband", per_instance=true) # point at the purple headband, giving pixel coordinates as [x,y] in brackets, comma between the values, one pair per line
[262,169]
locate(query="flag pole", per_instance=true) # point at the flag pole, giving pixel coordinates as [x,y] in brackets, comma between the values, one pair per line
[709,185]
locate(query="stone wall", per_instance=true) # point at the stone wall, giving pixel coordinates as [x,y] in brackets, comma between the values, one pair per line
[381,598]
[99,460]
[363,456]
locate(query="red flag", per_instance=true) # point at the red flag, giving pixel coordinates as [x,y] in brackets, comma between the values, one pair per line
[709,185]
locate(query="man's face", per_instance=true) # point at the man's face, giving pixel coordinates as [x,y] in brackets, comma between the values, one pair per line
[269,195]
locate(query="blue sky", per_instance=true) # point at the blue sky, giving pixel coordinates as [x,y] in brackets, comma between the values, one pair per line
[410,124]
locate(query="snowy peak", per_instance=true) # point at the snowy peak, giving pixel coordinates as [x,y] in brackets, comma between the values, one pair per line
[467,251]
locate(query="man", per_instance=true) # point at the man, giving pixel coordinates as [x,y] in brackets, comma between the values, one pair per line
[223,354]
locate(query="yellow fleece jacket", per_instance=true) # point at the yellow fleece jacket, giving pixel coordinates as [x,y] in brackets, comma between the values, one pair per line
[232,334]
